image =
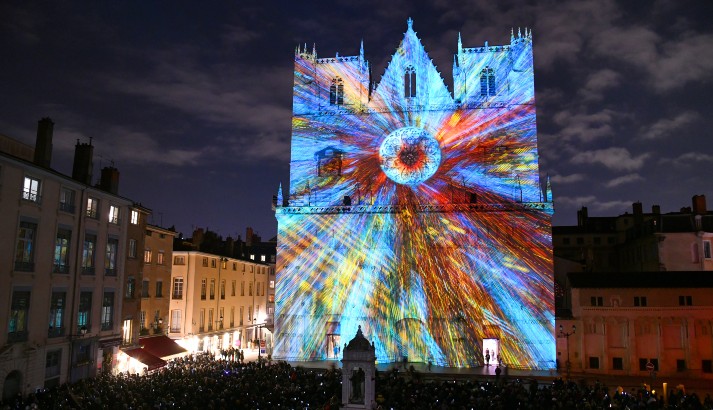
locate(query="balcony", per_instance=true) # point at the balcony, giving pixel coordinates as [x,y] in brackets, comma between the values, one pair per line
[110,272]
[87,270]
[67,207]
[31,196]
[15,337]
[60,268]
[55,331]
[177,296]
[22,266]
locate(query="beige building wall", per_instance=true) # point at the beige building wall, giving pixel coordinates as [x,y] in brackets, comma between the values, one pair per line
[157,256]
[43,340]
[620,330]
[222,303]
[686,251]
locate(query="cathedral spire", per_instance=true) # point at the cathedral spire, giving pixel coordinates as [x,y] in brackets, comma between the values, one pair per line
[409,22]
[279,195]
[460,47]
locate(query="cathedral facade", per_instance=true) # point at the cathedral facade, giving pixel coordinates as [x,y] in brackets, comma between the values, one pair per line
[415,212]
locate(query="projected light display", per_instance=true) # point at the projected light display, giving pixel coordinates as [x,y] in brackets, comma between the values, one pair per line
[416,213]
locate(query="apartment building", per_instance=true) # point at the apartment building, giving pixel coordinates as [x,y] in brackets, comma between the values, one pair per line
[62,262]
[218,302]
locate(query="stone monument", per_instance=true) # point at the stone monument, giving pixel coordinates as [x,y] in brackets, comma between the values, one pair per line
[358,373]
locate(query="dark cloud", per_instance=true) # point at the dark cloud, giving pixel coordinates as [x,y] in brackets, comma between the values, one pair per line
[200,96]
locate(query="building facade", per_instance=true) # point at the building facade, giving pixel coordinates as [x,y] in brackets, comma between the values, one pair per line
[133,277]
[218,302]
[157,259]
[416,213]
[638,322]
[62,257]
[634,242]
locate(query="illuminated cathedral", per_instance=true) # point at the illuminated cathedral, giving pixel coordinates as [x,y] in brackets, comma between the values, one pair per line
[415,212]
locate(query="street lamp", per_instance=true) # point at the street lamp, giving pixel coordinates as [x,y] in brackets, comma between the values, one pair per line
[566,335]
[82,332]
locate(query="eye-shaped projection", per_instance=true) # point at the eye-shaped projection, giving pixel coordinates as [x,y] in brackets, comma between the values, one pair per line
[409,155]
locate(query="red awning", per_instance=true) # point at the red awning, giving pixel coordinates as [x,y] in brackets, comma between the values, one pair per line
[151,361]
[161,346]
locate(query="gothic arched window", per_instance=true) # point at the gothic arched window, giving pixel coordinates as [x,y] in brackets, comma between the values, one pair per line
[487,82]
[336,92]
[410,82]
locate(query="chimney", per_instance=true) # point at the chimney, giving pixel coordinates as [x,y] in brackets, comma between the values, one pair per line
[43,143]
[109,181]
[656,209]
[699,204]
[582,216]
[638,209]
[249,236]
[83,162]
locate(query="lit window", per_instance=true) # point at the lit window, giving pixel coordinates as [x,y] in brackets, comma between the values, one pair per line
[61,250]
[134,217]
[92,207]
[410,82]
[147,256]
[57,307]
[176,321]
[31,189]
[177,288]
[112,247]
[25,251]
[159,258]
[113,214]
[336,92]
[262,258]
[19,312]
[85,310]
[487,82]
[130,287]
[90,245]
[272,284]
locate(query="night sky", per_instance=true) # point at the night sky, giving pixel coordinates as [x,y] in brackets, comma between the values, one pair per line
[192,101]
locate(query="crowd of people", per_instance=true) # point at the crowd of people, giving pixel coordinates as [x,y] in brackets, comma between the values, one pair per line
[201,381]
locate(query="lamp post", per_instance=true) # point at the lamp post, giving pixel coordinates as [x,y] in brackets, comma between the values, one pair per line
[566,335]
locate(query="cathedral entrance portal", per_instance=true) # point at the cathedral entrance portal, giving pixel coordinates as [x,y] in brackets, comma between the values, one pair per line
[333,341]
[491,351]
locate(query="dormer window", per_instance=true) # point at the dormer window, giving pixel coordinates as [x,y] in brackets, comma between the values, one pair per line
[487,82]
[336,92]
[410,82]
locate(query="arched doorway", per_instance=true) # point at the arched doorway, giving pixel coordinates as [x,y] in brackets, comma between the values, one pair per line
[412,346]
[12,385]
